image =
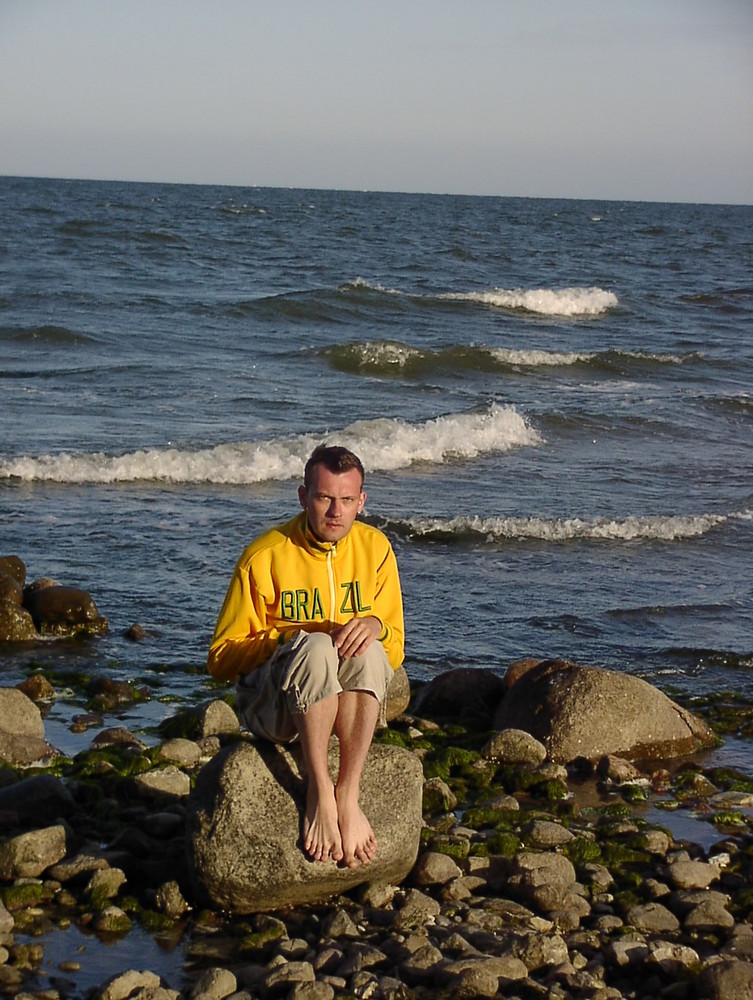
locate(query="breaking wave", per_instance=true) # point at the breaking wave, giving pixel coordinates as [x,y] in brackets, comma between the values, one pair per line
[383,444]
[385,357]
[556,530]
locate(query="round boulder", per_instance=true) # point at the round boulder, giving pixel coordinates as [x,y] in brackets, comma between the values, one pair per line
[63,611]
[244,824]
[587,712]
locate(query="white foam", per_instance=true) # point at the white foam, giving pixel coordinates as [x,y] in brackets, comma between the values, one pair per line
[383,444]
[535,359]
[573,301]
[546,301]
[667,529]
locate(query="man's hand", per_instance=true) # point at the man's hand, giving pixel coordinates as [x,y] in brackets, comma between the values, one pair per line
[354,637]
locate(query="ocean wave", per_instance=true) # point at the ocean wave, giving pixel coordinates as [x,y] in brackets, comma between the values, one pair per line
[544,301]
[384,444]
[385,357]
[47,334]
[493,530]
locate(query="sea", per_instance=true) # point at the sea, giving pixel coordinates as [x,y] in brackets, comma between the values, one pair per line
[553,401]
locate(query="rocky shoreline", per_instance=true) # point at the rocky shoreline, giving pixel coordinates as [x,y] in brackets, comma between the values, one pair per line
[534,879]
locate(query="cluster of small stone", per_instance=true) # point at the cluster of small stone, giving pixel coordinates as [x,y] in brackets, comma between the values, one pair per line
[517,891]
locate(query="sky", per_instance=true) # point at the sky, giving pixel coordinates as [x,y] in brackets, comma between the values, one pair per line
[620,99]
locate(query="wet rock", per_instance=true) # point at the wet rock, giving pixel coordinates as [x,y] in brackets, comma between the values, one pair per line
[104,884]
[63,611]
[112,920]
[106,693]
[10,589]
[37,688]
[16,624]
[118,736]
[617,770]
[213,718]
[243,826]
[578,711]
[29,854]
[514,746]
[170,900]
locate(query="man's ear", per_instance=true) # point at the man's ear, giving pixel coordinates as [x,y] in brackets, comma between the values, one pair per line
[361,501]
[302,497]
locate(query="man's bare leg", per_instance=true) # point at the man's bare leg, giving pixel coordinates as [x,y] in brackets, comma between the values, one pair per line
[354,726]
[321,832]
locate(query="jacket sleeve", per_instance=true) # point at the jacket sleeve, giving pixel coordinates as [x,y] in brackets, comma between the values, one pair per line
[242,640]
[388,608]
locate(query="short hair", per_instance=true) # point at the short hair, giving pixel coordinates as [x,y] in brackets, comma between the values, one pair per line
[333,457]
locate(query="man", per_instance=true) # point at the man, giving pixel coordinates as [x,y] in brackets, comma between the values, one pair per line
[312,631]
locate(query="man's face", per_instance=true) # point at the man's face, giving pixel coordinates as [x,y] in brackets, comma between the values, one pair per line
[332,502]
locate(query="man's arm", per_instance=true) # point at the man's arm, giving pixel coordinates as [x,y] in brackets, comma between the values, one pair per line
[242,639]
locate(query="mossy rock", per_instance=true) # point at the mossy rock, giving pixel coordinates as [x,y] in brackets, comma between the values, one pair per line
[582,851]
[23,895]
[456,848]
[504,843]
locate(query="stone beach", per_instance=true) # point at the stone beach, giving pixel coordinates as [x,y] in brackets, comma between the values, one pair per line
[533,879]
[512,867]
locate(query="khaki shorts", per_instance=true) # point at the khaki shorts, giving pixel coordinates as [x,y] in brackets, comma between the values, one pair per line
[302,672]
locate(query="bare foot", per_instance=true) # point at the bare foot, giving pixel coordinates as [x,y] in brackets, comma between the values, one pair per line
[321,833]
[359,844]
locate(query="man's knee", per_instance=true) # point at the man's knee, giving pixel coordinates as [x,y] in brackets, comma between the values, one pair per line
[311,673]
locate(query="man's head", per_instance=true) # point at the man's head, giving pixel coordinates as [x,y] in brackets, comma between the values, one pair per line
[332,493]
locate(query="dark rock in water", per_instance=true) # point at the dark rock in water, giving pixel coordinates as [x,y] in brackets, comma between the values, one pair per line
[10,589]
[244,820]
[136,632]
[14,567]
[16,624]
[105,693]
[464,694]
[37,687]
[64,611]
[587,712]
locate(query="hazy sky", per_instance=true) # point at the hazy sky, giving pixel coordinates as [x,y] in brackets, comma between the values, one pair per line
[635,99]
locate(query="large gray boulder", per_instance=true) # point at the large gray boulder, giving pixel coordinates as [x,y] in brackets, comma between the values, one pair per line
[244,818]
[578,711]
[21,729]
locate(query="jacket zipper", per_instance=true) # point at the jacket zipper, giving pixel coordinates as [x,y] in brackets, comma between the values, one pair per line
[331,573]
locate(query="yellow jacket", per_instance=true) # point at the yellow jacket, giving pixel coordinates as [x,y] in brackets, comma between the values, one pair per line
[287,580]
